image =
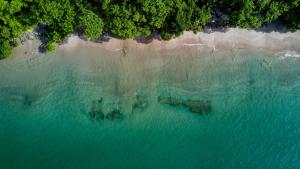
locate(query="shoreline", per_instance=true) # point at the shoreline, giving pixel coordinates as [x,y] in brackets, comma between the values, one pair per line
[283,44]
[233,38]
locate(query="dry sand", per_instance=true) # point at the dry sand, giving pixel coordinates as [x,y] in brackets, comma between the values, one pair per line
[234,38]
[281,44]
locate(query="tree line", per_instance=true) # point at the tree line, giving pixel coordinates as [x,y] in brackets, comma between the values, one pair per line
[131,18]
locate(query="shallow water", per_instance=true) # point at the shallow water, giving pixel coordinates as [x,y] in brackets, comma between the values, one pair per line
[45,105]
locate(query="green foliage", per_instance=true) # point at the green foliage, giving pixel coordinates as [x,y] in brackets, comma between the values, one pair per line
[58,15]
[275,10]
[51,47]
[186,15]
[155,12]
[124,20]
[292,18]
[91,23]
[5,49]
[246,17]
[166,36]
[11,24]
[254,13]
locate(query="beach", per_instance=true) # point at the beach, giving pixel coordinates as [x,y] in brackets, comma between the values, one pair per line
[231,39]
[282,44]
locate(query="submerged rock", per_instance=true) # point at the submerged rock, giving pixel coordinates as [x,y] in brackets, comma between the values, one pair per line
[114,114]
[96,111]
[170,101]
[201,107]
[139,103]
[28,100]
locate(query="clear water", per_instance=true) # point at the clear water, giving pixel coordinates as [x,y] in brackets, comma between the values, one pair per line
[254,122]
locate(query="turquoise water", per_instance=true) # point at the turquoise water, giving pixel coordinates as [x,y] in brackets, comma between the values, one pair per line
[254,120]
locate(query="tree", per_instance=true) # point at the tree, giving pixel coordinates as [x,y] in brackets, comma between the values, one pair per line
[155,12]
[5,49]
[10,25]
[254,13]
[50,47]
[186,15]
[246,16]
[91,23]
[123,20]
[58,16]
[292,18]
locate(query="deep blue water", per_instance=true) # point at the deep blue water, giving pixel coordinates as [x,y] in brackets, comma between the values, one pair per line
[254,120]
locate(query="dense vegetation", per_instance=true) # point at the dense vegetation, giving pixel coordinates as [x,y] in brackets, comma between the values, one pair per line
[131,18]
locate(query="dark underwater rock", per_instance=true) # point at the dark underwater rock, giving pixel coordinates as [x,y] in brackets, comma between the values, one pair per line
[28,100]
[140,103]
[201,107]
[96,111]
[170,101]
[114,114]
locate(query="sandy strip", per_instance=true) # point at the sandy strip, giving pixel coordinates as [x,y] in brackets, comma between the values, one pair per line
[233,38]
[282,44]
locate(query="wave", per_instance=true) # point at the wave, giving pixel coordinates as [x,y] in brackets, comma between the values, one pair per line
[288,54]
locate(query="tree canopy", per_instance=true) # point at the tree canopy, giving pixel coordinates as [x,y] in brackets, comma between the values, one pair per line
[91,23]
[130,18]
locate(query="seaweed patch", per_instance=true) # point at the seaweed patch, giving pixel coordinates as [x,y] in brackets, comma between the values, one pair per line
[96,112]
[201,107]
[140,103]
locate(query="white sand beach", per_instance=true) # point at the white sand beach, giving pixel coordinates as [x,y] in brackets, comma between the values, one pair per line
[232,39]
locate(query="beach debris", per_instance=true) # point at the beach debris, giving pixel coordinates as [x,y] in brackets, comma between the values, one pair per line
[124,51]
[201,107]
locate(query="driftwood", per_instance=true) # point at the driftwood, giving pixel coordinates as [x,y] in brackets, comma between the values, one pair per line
[201,107]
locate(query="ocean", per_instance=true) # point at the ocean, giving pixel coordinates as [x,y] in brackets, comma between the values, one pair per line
[170,109]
